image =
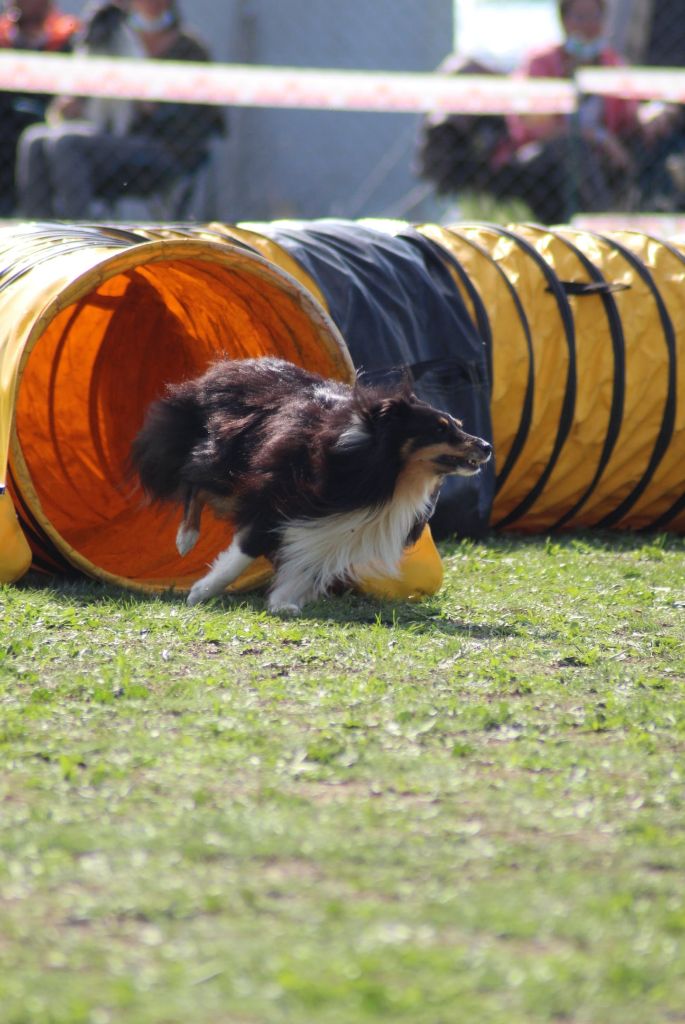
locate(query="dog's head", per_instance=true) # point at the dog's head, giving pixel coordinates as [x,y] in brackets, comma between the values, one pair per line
[102,22]
[423,435]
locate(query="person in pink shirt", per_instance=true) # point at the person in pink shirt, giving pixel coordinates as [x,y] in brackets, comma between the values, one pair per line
[558,163]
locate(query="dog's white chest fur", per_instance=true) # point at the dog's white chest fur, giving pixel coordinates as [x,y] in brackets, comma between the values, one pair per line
[314,553]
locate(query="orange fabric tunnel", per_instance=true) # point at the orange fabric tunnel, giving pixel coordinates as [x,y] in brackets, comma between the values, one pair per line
[98,323]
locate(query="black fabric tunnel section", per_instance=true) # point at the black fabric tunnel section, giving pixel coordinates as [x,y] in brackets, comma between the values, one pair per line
[480,311]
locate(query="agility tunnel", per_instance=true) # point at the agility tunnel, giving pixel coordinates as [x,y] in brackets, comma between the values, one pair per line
[563,347]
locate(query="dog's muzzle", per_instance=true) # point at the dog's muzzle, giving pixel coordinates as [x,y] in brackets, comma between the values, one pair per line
[466,463]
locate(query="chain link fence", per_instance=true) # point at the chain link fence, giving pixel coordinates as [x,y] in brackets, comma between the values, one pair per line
[194,161]
[612,154]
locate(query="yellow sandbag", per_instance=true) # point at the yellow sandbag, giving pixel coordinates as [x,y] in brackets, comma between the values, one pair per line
[420,573]
[15,553]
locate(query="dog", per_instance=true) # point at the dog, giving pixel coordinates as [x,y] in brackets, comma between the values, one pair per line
[106,33]
[326,479]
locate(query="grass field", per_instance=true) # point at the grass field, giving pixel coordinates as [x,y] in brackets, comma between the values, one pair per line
[466,810]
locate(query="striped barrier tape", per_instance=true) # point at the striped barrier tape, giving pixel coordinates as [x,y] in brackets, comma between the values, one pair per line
[309,88]
[323,89]
[664,84]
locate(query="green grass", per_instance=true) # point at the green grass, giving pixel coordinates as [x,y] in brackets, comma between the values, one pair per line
[483,207]
[466,810]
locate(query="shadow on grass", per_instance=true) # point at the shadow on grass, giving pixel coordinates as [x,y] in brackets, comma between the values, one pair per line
[350,608]
[345,609]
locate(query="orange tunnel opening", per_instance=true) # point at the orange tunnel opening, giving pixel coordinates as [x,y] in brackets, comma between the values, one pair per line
[86,383]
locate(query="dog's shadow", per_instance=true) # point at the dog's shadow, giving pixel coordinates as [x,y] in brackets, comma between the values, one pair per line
[398,615]
[426,618]
[350,608]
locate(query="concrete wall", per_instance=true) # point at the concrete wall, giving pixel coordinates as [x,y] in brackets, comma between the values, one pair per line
[315,163]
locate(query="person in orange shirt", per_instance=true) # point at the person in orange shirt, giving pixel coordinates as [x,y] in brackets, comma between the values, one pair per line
[27,25]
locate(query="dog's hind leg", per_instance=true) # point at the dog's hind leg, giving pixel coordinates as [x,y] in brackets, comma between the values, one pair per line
[225,568]
[189,530]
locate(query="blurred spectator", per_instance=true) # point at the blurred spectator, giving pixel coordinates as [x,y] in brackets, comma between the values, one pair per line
[561,164]
[69,161]
[455,150]
[662,167]
[27,25]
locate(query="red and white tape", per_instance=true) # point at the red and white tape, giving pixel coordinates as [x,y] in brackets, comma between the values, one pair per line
[321,89]
[252,86]
[664,84]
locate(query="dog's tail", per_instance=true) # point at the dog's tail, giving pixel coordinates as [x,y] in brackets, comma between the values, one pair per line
[172,427]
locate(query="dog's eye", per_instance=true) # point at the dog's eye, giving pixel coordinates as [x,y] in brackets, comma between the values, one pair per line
[442,427]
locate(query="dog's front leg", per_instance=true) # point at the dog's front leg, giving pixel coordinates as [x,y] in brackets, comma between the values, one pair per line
[290,592]
[282,600]
[300,572]
[225,568]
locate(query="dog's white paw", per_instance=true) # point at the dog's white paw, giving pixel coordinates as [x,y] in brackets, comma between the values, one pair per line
[284,608]
[186,539]
[201,591]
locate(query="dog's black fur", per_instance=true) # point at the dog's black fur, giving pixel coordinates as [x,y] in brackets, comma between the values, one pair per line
[280,451]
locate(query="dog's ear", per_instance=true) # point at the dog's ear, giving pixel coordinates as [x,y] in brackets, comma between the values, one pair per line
[371,415]
[388,409]
[377,407]
[385,410]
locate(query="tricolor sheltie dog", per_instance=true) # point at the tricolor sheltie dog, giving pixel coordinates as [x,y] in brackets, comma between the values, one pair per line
[328,480]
